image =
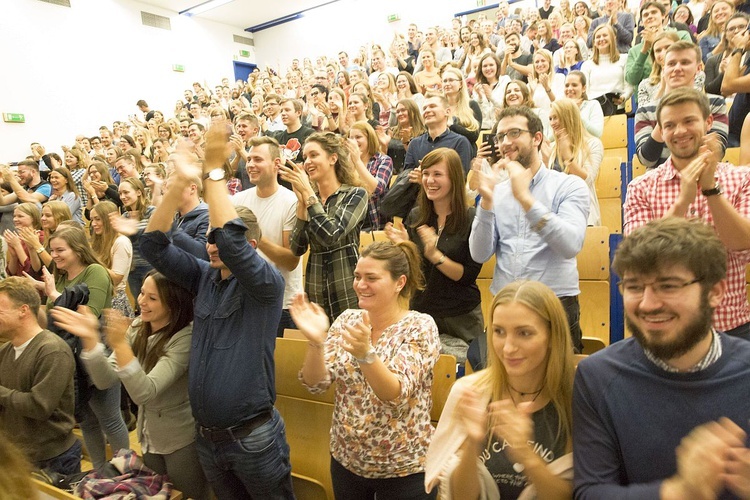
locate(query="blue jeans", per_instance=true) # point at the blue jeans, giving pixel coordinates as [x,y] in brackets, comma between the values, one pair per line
[102,416]
[256,466]
[67,462]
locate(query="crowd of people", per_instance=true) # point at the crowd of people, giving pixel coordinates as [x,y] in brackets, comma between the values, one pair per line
[459,144]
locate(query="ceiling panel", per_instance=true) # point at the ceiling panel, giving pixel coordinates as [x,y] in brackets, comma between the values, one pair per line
[241,13]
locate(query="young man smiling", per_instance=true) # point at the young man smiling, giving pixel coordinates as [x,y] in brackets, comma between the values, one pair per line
[692,184]
[664,414]
[681,63]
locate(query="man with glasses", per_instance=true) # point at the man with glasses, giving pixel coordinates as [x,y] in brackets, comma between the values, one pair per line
[664,414]
[535,220]
[693,184]
[272,112]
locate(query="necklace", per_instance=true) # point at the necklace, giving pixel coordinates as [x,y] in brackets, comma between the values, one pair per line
[522,394]
[439,232]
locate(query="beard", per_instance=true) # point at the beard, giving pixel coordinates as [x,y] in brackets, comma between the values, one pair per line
[690,336]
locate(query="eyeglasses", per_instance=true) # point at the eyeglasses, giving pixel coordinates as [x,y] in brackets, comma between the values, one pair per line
[450,80]
[512,134]
[314,93]
[733,29]
[666,289]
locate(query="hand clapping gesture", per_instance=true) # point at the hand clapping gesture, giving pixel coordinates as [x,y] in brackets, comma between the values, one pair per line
[310,318]
[81,323]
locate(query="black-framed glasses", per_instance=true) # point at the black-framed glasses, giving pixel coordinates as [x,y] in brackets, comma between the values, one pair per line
[512,134]
[663,289]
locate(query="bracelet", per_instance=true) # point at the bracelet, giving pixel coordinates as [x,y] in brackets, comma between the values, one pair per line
[39,250]
[440,261]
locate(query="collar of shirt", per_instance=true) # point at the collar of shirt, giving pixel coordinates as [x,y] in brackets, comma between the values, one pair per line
[439,137]
[711,357]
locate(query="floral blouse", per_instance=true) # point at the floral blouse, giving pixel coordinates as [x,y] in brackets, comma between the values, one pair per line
[374,438]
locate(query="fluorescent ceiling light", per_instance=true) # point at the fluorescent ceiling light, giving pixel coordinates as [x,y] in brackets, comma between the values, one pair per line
[203,7]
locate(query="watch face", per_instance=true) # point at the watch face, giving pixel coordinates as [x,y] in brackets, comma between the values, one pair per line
[216,174]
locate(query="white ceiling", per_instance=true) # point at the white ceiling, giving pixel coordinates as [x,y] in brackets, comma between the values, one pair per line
[241,13]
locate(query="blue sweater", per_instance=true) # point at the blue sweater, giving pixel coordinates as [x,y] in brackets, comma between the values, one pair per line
[629,416]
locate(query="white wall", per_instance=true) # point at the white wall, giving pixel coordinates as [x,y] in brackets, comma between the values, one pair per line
[71,70]
[348,24]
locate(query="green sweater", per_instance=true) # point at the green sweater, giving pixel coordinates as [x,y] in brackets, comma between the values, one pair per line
[37,397]
[99,283]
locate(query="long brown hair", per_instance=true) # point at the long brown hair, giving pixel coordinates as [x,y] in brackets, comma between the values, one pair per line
[334,144]
[179,303]
[79,244]
[458,218]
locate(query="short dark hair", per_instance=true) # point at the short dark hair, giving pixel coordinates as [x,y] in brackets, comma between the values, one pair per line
[141,103]
[321,88]
[653,3]
[29,163]
[673,241]
[534,123]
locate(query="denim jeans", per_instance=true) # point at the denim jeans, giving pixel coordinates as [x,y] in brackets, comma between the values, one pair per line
[102,416]
[67,462]
[256,466]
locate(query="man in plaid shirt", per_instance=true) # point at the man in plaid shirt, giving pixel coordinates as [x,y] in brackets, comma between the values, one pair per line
[693,184]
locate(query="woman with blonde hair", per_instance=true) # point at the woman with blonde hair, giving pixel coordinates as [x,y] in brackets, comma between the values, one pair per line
[115,251]
[709,40]
[575,151]
[517,93]
[605,72]
[374,170]
[15,481]
[505,431]
[337,104]
[385,95]
[428,78]
[24,243]
[467,116]
[591,110]
[543,80]
[379,355]
[489,89]
[545,37]
[330,211]
[581,25]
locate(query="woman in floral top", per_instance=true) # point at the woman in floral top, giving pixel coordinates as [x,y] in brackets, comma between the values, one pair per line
[381,357]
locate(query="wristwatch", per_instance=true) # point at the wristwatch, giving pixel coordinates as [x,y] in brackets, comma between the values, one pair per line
[216,174]
[711,192]
[369,358]
[312,200]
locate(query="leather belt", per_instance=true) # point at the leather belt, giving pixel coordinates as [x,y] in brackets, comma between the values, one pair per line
[236,432]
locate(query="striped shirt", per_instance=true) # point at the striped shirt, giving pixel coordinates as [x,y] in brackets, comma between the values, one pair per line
[653,153]
[711,357]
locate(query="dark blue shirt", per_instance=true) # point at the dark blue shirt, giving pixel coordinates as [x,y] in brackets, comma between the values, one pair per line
[231,375]
[423,144]
[189,231]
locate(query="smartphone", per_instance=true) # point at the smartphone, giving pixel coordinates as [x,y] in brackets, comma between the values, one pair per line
[488,138]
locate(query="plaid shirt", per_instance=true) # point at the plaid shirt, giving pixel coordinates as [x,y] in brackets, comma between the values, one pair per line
[134,479]
[652,195]
[381,167]
[332,233]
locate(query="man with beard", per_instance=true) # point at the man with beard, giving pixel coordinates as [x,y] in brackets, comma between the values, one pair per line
[692,184]
[514,61]
[535,221]
[665,414]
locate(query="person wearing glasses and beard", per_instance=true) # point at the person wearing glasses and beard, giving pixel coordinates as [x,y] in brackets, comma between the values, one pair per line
[535,221]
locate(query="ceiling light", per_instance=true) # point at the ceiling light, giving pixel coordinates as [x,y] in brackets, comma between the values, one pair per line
[203,7]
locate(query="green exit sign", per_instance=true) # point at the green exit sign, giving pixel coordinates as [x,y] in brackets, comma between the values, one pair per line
[245,53]
[14,118]
[393,18]
[178,67]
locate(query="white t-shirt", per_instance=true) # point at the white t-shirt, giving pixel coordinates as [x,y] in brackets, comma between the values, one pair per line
[276,214]
[122,258]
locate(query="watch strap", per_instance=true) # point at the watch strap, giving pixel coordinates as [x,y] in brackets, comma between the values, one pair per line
[711,192]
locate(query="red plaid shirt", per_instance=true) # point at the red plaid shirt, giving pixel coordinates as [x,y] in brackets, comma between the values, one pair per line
[653,194]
